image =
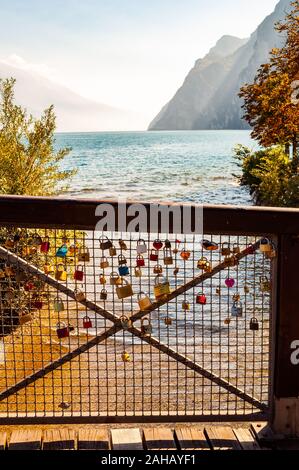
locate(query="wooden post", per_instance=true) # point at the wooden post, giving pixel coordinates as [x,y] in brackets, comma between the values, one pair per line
[285,399]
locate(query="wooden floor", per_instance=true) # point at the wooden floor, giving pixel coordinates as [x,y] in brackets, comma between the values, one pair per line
[256,436]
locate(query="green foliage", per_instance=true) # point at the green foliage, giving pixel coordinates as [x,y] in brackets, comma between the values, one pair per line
[28,163]
[269,176]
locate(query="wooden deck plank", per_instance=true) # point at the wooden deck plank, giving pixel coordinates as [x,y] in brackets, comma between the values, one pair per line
[222,438]
[191,439]
[159,439]
[93,439]
[59,439]
[262,432]
[3,440]
[25,440]
[126,439]
[246,439]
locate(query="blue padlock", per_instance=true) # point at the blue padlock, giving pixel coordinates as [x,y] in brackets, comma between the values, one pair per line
[123,270]
[61,252]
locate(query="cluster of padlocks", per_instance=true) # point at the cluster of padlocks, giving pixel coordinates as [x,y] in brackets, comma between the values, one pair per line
[160,253]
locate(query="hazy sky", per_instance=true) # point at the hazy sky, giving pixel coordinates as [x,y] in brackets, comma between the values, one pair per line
[132,54]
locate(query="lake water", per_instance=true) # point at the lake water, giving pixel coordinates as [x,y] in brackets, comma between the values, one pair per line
[194,166]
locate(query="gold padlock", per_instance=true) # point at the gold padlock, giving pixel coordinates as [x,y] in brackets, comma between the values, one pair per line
[25,317]
[124,290]
[48,269]
[60,273]
[265,284]
[185,305]
[112,251]
[102,279]
[126,357]
[161,287]
[83,254]
[104,263]
[144,301]
[79,295]
[158,269]
[168,259]
[125,321]
[115,279]
[137,271]
[225,249]
[168,321]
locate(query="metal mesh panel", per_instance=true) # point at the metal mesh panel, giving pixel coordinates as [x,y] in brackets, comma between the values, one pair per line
[205,351]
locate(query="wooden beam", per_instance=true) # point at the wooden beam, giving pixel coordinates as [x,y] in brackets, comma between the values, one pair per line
[126,439]
[191,439]
[93,439]
[79,214]
[59,439]
[25,440]
[222,438]
[246,439]
[159,439]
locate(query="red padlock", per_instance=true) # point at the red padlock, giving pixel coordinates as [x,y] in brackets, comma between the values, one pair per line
[62,330]
[157,244]
[201,299]
[38,304]
[154,255]
[29,286]
[87,322]
[250,249]
[140,261]
[79,273]
[45,245]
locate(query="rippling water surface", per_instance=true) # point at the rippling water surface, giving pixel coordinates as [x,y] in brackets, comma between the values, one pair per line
[195,166]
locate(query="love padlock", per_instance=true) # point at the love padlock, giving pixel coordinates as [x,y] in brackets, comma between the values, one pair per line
[124,290]
[161,287]
[126,357]
[236,249]
[114,279]
[45,245]
[168,259]
[125,321]
[154,255]
[87,323]
[105,243]
[137,271]
[144,301]
[141,247]
[103,294]
[265,284]
[265,245]
[112,251]
[25,317]
[37,303]
[237,309]
[104,263]
[209,245]
[158,269]
[185,254]
[146,327]
[140,261]
[62,251]
[201,299]
[62,330]
[58,305]
[79,295]
[168,321]
[225,249]
[49,269]
[79,273]
[254,324]
[60,273]
[229,282]
[122,244]
[102,279]
[185,305]
[123,270]
[83,254]
[158,244]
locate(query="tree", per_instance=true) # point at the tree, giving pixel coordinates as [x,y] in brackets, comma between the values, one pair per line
[268,102]
[28,163]
[269,176]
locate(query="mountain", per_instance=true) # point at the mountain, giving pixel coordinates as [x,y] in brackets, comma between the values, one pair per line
[74,113]
[208,98]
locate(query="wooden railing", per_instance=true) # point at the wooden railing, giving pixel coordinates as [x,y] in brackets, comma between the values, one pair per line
[279,225]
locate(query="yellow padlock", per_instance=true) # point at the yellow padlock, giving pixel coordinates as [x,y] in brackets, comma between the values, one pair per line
[161,287]
[48,269]
[60,274]
[144,301]
[126,357]
[124,290]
